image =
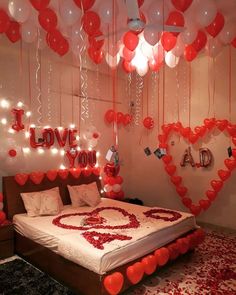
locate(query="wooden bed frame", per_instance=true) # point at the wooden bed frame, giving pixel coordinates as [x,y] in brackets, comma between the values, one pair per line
[76,277]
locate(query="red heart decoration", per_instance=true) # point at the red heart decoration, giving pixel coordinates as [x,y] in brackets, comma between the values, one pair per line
[181,190]
[166,128]
[113,283]
[230,164]
[211,195]
[170,169]
[135,272]
[110,169]
[21,178]
[36,177]
[162,255]
[224,174]
[149,263]
[51,175]
[63,173]
[209,124]
[96,171]
[183,245]
[75,172]
[173,250]
[217,185]
[176,180]
[87,172]
[167,159]
[162,138]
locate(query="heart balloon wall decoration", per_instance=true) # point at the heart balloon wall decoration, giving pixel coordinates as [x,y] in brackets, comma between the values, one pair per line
[193,136]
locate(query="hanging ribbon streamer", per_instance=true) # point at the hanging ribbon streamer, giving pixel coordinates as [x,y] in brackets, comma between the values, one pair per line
[49,103]
[138,100]
[158,101]
[189,93]
[209,91]
[72,96]
[177,92]
[164,93]
[230,82]
[60,105]
[185,90]
[38,81]
[29,80]
[154,92]
[214,88]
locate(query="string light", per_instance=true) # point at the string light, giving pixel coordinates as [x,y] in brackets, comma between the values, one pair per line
[62,152]
[62,167]
[100,177]
[54,151]
[4,104]
[4,121]
[32,125]
[77,137]
[78,148]
[20,104]
[27,134]
[101,191]
[11,131]
[90,149]
[28,114]
[26,150]
[72,126]
[41,151]
[60,128]
[97,154]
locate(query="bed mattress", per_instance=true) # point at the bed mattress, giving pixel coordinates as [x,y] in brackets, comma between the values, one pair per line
[127,232]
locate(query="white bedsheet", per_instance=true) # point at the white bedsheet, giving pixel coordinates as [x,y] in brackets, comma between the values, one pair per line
[150,235]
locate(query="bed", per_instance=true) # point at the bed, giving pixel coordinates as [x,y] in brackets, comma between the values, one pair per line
[127,234]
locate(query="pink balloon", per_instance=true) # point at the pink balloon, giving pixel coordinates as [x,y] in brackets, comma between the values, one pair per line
[178,50]
[213,47]
[157,14]
[28,32]
[206,12]
[228,33]
[189,34]
[151,36]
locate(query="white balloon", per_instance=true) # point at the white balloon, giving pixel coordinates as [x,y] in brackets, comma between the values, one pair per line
[228,33]
[157,14]
[107,188]
[105,11]
[171,60]
[28,32]
[205,12]
[178,50]
[112,61]
[19,10]
[189,34]
[116,188]
[69,12]
[147,50]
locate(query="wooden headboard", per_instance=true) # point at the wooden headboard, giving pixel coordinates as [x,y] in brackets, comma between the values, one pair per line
[13,203]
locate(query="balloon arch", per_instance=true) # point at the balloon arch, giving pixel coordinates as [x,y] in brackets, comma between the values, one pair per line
[100,28]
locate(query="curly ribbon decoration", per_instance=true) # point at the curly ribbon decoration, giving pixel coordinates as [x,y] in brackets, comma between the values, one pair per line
[177,92]
[38,81]
[158,101]
[138,100]
[29,80]
[189,93]
[154,92]
[185,100]
[49,104]
[230,82]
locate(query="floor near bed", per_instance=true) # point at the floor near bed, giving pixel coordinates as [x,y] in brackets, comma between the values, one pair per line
[210,270]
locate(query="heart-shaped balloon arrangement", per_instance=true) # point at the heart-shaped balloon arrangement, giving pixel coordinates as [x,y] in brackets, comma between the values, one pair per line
[192,136]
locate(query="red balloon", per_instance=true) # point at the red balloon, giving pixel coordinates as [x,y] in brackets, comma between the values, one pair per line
[168,41]
[175,18]
[91,22]
[224,174]
[53,38]
[190,53]
[195,210]
[135,272]
[185,131]
[210,123]
[118,179]
[128,54]
[47,19]
[40,4]
[95,55]
[130,40]
[193,138]
[113,283]
[140,3]
[222,124]
[177,126]
[63,47]
[127,66]
[167,159]
[110,116]
[217,185]
[162,255]
[12,153]
[233,43]
[111,180]
[154,65]
[4,21]
[167,128]
[181,190]
[127,119]
[148,123]
[96,44]
[216,26]
[183,245]
[119,117]
[170,169]
[211,195]
[85,4]
[13,32]
[200,41]
[2,217]
[230,164]
[187,202]
[204,204]
[110,169]
[149,264]
[181,5]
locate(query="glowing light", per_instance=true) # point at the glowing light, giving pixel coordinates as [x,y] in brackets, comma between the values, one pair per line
[96,165]
[11,131]
[32,125]
[62,167]
[90,148]
[78,148]
[72,126]
[20,104]
[4,121]
[140,62]
[4,104]
[98,154]
[45,127]
[60,128]
[101,191]
[26,150]
[62,152]
[54,151]
[77,137]
[41,151]
[28,114]
[100,177]
[27,134]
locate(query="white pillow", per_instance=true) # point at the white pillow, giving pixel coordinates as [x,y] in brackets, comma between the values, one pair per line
[49,204]
[85,194]
[32,200]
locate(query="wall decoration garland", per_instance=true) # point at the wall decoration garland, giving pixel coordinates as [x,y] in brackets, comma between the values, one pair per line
[192,136]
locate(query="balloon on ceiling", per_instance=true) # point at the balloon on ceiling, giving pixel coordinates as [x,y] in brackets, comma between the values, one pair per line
[102,27]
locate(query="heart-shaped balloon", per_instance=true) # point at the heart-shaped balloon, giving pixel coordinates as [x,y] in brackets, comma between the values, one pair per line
[87,172]
[149,263]
[75,172]
[170,169]
[193,138]
[176,180]
[96,171]
[204,204]
[230,164]
[210,123]
[162,256]
[36,177]
[222,124]
[224,174]
[231,129]
[234,140]
[195,210]
[110,169]
[183,245]
[135,272]
[181,190]
[21,178]
[63,173]
[211,195]
[217,185]
[234,153]
[187,202]
[51,175]
[113,283]
[167,159]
